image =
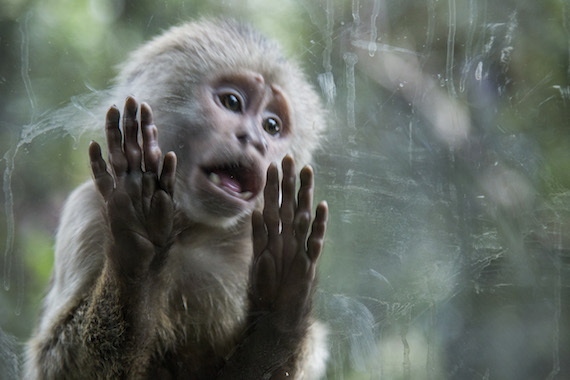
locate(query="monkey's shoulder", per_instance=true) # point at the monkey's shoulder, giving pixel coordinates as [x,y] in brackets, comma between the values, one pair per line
[82,224]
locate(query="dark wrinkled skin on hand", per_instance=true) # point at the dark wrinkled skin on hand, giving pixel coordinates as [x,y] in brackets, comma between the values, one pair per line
[138,190]
[285,251]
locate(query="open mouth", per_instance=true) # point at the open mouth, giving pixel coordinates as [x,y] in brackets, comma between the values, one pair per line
[237,180]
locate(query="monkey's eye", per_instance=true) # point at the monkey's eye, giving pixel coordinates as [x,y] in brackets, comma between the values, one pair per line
[272,126]
[231,102]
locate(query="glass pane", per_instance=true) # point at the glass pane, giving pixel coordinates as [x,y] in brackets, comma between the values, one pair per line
[445,167]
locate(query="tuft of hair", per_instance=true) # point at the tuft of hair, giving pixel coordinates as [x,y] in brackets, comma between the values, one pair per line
[185,55]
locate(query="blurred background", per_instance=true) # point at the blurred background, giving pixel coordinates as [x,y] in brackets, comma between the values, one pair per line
[446,168]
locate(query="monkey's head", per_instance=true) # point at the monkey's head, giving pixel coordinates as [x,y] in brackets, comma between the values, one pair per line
[228,103]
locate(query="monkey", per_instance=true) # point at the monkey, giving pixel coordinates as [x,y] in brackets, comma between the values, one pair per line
[199,263]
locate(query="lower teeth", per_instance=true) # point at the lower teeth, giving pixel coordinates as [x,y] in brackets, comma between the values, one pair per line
[245,195]
[215,179]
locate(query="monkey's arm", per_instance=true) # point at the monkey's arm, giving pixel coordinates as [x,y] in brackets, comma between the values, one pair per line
[282,334]
[107,326]
[140,212]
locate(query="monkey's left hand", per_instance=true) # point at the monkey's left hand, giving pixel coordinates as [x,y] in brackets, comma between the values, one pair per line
[284,264]
[137,194]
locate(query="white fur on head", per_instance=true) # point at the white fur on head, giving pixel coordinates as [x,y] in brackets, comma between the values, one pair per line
[184,55]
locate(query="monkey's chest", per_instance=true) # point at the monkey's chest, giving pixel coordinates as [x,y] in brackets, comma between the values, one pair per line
[186,364]
[207,328]
[206,309]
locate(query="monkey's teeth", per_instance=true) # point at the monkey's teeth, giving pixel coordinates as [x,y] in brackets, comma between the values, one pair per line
[246,195]
[215,179]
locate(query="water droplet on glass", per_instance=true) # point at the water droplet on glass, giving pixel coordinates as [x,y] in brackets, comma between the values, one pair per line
[479,71]
[372,48]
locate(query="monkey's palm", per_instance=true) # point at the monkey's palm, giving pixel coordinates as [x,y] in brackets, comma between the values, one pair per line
[139,210]
[284,264]
[139,202]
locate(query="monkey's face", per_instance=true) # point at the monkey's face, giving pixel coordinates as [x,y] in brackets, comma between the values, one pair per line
[240,124]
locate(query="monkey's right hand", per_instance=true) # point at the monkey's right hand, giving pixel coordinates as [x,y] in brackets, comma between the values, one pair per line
[140,208]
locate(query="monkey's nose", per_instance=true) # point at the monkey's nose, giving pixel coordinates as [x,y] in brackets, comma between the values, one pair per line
[258,142]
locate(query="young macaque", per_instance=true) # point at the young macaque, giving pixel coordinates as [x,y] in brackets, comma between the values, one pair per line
[199,263]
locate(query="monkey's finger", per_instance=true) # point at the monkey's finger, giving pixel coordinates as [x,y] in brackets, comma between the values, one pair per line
[271,206]
[149,185]
[287,211]
[151,151]
[161,220]
[317,236]
[305,196]
[264,279]
[305,203]
[258,232]
[168,175]
[130,130]
[113,134]
[103,180]
[302,221]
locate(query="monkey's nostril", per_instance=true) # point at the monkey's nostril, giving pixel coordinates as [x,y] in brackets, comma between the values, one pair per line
[261,146]
[243,138]
[257,142]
